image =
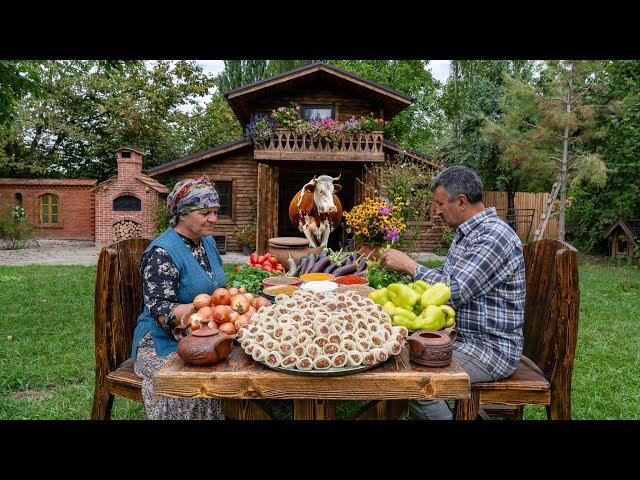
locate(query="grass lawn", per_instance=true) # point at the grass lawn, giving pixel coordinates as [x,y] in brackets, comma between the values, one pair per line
[47,362]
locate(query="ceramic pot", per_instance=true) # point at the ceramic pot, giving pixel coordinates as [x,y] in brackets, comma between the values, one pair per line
[432,348]
[205,346]
[297,247]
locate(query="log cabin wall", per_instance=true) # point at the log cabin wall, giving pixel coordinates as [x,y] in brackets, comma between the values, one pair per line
[241,169]
[346,104]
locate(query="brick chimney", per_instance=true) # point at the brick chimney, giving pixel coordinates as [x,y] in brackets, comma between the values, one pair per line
[129,162]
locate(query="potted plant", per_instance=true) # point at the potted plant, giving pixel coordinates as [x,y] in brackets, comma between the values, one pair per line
[376,223]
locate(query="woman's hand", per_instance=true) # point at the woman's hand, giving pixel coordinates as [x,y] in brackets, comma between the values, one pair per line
[399,261]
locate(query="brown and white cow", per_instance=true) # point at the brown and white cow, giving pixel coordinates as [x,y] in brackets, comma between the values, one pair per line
[316,210]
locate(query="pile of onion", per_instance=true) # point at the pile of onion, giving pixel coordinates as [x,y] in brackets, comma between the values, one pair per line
[230,309]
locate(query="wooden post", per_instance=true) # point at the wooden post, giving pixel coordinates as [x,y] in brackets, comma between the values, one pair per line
[314,409]
[267,207]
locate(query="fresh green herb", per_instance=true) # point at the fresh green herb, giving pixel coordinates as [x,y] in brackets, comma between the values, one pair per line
[381,276]
[249,278]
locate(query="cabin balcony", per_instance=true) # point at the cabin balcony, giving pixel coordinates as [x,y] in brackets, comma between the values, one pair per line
[287,145]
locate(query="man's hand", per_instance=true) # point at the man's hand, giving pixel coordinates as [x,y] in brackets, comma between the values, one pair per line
[399,261]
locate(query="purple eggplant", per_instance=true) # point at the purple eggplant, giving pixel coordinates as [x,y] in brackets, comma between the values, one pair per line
[330,268]
[320,265]
[291,263]
[362,267]
[346,269]
[311,259]
[300,268]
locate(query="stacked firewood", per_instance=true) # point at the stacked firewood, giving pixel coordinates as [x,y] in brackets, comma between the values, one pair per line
[126,229]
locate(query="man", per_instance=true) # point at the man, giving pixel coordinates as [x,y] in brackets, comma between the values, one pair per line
[485,271]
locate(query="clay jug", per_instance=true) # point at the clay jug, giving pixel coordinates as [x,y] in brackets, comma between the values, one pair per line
[432,348]
[205,346]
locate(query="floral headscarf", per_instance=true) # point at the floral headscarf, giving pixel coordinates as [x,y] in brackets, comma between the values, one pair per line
[192,194]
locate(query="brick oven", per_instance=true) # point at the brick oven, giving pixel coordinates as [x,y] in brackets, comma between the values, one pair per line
[125,203]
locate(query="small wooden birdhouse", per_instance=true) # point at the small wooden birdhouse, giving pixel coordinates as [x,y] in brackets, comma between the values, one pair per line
[623,237]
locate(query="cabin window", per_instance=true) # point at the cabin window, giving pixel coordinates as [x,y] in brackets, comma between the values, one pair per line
[18,199]
[127,203]
[226,202]
[49,209]
[317,112]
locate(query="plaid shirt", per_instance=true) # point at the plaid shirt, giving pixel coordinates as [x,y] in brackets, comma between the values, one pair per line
[485,270]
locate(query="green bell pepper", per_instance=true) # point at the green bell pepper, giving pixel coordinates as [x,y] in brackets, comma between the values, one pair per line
[420,286]
[405,318]
[450,315]
[379,296]
[436,295]
[402,296]
[431,318]
[390,308]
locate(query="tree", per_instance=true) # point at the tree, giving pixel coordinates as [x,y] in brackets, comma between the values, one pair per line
[15,83]
[237,73]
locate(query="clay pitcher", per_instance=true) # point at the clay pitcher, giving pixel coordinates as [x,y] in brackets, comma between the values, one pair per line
[205,346]
[432,348]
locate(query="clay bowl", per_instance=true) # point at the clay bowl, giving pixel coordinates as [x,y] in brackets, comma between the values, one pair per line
[431,348]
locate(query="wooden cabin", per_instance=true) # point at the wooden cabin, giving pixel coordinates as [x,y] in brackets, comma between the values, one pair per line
[623,237]
[272,173]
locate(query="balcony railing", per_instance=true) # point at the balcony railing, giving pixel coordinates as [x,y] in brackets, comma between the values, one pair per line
[288,145]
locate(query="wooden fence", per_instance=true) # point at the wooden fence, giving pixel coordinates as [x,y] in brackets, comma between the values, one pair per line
[529,208]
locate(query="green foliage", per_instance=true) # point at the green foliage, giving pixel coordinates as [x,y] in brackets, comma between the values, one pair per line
[16,230]
[381,276]
[161,216]
[249,278]
[247,234]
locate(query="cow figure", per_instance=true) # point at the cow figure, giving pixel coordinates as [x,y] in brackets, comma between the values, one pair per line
[316,210]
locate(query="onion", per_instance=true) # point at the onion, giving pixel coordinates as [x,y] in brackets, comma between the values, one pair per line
[202,300]
[228,328]
[249,296]
[242,290]
[206,312]
[260,302]
[233,292]
[220,297]
[233,314]
[195,321]
[250,312]
[220,314]
[241,321]
[240,303]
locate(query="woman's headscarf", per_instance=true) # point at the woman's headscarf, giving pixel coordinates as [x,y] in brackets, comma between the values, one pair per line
[192,194]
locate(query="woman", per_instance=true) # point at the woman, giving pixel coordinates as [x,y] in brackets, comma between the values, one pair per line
[178,265]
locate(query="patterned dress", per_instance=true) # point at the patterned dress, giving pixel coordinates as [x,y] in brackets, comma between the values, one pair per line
[160,287]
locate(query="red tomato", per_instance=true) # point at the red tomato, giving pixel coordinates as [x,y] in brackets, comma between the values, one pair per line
[279,268]
[268,268]
[267,256]
[274,261]
[260,259]
[253,257]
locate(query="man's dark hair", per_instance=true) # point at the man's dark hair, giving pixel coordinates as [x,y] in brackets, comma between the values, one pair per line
[458,180]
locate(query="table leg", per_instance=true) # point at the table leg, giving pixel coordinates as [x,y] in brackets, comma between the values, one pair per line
[244,410]
[384,410]
[467,409]
[314,409]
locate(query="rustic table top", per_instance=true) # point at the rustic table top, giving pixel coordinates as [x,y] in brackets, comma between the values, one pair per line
[240,377]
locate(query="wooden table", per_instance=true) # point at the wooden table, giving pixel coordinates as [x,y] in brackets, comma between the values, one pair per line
[239,382]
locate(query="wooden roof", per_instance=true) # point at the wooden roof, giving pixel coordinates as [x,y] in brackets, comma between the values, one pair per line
[413,154]
[630,226]
[197,157]
[241,98]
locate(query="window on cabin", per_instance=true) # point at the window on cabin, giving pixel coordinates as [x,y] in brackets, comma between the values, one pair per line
[127,203]
[317,112]
[18,199]
[49,209]
[224,190]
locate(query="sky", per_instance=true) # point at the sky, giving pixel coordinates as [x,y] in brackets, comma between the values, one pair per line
[439,68]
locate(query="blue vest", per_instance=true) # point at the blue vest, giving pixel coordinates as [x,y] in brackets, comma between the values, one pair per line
[193,281]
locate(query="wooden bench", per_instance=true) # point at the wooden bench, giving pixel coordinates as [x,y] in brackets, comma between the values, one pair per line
[550,330]
[118,302]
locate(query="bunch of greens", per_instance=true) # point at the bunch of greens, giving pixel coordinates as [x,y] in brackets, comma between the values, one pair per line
[381,276]
[249,278]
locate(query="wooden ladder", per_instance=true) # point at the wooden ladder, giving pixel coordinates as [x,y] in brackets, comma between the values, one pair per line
[555,189]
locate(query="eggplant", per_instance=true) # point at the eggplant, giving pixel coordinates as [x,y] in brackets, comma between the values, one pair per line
[320,265]
[345,269]
[300,268]
[311,259]
[362,267]
[330,268]
[291,263]
[323,254]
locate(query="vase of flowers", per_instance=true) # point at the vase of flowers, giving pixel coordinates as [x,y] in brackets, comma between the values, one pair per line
[376,223]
